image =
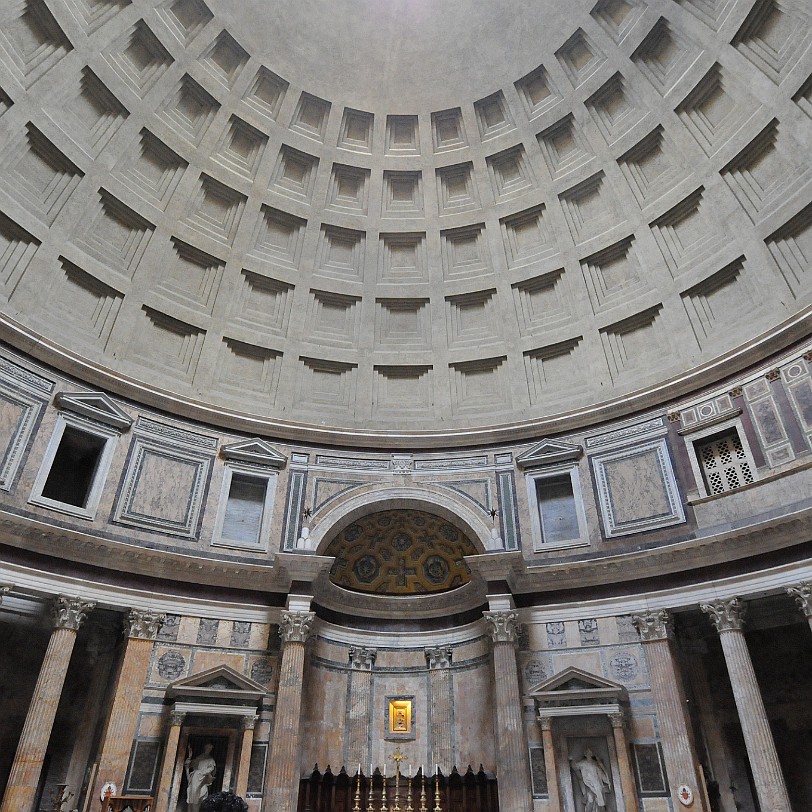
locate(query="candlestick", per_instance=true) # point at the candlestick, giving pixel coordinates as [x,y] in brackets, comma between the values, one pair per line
[357,807]
[409,807]
[437,807]
[423,790]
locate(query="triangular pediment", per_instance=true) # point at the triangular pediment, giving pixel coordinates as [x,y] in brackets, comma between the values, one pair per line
[549,452]
[574,680]
[255,451]
[220,681]
[95,405]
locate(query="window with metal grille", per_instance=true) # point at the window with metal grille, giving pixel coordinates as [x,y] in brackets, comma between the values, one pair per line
[725,462]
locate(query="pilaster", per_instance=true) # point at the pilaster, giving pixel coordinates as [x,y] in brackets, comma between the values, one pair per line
[247,725]
[550,764]
[624,762]
[438,660]
[362,662]
[68,615]
[162,802]
[281,782]
[681,762]
[728,619]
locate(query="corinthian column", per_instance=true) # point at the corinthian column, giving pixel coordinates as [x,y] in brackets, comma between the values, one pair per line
[728,618]
[362,661]
[141,628]
[439,662]
[282,780]
[21,790]
[669,699]
[515,793]
[802,593]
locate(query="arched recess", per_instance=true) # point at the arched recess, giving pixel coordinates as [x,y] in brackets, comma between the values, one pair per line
[373,498]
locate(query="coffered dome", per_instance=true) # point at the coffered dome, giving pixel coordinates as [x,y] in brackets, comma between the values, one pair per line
[396,221]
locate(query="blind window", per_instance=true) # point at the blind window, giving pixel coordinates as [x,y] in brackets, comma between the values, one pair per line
[557,510]
[244,509]
[724,462]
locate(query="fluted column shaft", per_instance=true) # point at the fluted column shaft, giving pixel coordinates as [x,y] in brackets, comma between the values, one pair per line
[669,699]
[728,618]
[515,793]
[21,790]
[244,766]
[282,780]
[362,661]
[141,629]
[439,663]
[550,765]
[624,765]
[168,765]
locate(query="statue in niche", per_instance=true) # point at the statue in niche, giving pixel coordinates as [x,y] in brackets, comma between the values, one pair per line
[593,780]
[200,772]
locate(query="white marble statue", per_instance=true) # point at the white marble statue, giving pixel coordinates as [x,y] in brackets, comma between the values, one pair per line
[593,780]
[200,772]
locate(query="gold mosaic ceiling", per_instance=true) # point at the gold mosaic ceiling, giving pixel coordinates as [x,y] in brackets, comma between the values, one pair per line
[400,552]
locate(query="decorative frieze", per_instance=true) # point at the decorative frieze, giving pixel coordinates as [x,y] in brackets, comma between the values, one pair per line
[144,624]
[654,625]
[503,625]
[726,615]
[70,613]
[296,626]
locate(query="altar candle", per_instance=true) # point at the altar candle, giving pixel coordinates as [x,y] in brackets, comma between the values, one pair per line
[359,768]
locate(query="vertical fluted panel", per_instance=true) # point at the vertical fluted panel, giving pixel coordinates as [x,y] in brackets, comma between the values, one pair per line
[551,768]
[25,772]
[624,766]
[440,681]
[244,766]
[358,717]
[669,699]
[168,766]
[764,763]
[123,720]
[515,793]
[282,785]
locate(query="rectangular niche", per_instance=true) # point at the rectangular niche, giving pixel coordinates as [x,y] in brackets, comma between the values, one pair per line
[294,175]
[537,92]
[540,302]
[278,237]
[493,116]
[791,247]
[402,194]
[264,304]
[637,489]
[164,487]
[402,258]
[634,343]
[192,278]
[402,324]
[613,275]
[580,58]
[617,17]
[664,56]
[456,188]
[527,238]
[550,370]
[189,111]
[447,130]
[241,148]
[465,252]
[310,116]
[356,131]
[266,94]
[168,344]
[402,390]
[17,248]
[154,172]
[653,167]
[472,319]
[589,208]
[349,189]
[139,58]
[335,319]
[325,385]
[402,135]
[341,253]
[510,173]
[479,386]
[224,59]
[249,370]
[186,18]
[563,147]
[97,112]
[614,108]
[216,210]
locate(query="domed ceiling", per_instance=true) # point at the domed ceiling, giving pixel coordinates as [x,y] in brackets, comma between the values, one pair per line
[400,552]
[401,218]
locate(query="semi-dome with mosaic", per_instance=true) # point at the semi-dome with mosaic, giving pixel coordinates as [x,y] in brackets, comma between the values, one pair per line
[400,552]
[364,219]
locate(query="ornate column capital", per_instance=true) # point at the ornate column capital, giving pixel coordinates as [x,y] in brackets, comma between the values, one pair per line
[726,615]
[654,625]
[546,722]
[438,657]
[143,624]
[362,659]
[176,718]
[248,722]
[296,626]
[503,625]
[617,720]
[70,613]
[802,593]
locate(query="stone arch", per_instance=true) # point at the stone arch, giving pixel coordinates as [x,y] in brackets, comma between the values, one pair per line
[372,499]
